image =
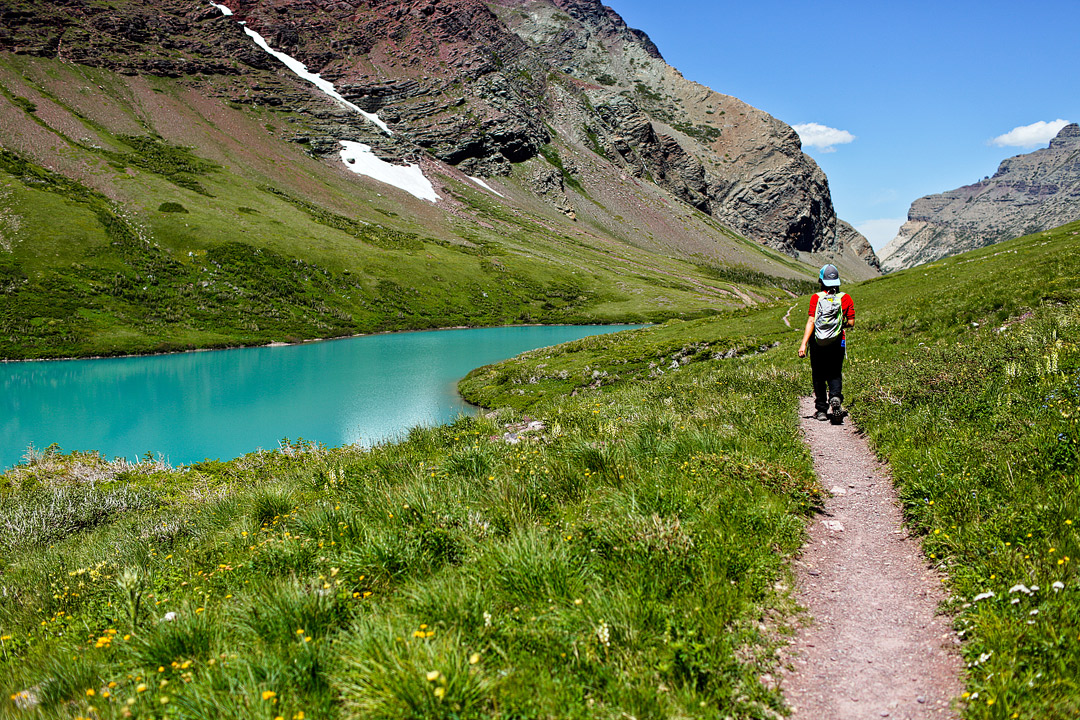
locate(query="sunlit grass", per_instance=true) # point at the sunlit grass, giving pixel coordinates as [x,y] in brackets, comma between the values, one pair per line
[616,559]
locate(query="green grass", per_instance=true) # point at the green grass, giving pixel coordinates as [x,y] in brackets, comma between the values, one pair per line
[615,562]
[87,277]
[620,561]
[969,383]
[109,229]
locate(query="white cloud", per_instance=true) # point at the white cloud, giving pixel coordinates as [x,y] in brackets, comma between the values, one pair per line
[1025,136]
[822,137]
[880,232]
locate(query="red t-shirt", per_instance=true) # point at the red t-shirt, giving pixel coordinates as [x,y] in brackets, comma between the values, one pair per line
[847,308]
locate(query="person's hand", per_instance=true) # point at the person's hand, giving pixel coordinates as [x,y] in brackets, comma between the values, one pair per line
[802,351]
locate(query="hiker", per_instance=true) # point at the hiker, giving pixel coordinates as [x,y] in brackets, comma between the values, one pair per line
[830,312]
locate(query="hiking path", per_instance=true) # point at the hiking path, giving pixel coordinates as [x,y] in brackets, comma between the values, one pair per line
[874,645]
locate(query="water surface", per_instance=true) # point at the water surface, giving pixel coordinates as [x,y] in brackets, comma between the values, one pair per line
[221,404]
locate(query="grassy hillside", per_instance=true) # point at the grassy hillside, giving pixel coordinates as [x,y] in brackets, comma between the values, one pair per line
[154,214]
[621,559]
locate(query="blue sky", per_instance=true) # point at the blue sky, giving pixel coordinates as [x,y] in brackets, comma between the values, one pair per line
[922,87]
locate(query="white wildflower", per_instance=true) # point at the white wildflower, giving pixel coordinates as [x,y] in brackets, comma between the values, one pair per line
[603,634]
[1058,585]
[983,596]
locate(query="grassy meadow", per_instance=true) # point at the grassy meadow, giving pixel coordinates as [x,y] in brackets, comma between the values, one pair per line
[612,542]
[161,217]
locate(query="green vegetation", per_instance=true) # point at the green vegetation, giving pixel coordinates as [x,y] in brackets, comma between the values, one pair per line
[89,278]
[970,386]
[614,562]
[550,154]
[702,133]
[619,560]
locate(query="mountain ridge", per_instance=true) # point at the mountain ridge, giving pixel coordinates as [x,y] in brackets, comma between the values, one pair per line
[110,96]
[1029,193]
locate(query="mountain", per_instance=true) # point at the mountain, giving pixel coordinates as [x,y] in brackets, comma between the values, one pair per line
[178,173]
[1029,193]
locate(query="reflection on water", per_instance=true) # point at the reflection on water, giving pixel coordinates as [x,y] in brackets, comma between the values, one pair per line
[225,403]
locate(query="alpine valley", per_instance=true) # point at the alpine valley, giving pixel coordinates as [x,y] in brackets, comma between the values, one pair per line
[178,174]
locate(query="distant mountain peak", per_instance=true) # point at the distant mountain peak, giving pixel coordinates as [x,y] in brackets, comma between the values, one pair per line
[1070,134]
[1029,193]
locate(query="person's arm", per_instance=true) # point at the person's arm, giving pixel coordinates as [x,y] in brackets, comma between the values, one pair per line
[806,335]
[849,312]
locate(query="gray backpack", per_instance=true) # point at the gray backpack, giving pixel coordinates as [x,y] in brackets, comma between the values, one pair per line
[829,318]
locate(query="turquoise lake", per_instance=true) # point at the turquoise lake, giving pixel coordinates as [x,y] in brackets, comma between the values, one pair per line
[225,403]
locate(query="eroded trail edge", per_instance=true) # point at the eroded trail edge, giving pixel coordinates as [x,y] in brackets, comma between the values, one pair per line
[875,646]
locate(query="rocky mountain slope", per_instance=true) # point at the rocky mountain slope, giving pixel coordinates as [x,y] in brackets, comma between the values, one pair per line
[1029,193]
[380,140]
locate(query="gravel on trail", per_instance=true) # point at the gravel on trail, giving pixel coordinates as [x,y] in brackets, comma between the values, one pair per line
[875,645]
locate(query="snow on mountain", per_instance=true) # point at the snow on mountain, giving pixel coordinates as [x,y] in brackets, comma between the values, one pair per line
[360,160]
[484,185]
[301,71]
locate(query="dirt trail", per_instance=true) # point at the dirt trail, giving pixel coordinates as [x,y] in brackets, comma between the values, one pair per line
[875,646]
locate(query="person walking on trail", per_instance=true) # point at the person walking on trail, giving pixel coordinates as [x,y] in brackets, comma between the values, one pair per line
[831,312]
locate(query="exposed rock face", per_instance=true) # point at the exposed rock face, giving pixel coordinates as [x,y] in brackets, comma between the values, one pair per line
[1028,193]
[850,240]
[482,86]
[718,154]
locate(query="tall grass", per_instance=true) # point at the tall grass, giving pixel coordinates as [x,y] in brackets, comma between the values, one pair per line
[613,562]
[616,562]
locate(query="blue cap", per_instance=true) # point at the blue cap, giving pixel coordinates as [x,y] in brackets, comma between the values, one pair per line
[829,276]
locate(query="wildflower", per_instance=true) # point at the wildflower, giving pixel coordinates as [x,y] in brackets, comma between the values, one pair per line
[1058,586]
[1019,588]
[141,687]
[474,658]
[603,634]
[90,692]
[983,596]
[164,699]
[169,617]
[269,695]
[440,692]
[433,675]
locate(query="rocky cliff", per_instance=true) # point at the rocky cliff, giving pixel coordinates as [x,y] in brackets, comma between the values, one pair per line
[1029,193]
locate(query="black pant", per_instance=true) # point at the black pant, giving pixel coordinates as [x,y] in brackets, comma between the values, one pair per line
[826,366]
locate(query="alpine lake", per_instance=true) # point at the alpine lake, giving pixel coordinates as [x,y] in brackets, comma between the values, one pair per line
[221,404]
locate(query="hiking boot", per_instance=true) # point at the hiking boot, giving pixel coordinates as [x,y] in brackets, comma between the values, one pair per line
[834,408]
[820,415]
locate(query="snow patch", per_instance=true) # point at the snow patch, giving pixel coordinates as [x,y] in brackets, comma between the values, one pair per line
[359,159]
[484,185]
[301,71]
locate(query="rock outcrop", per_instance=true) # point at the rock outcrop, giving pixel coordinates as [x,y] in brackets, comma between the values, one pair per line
[1029,193]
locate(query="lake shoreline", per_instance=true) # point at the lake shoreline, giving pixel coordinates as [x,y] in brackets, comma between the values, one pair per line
[278,343]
